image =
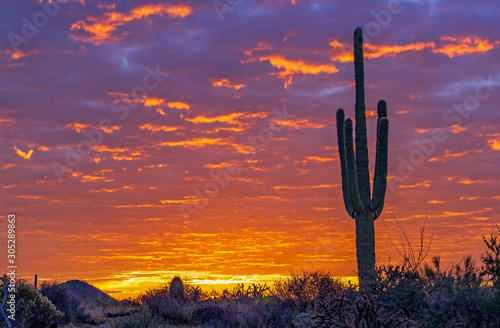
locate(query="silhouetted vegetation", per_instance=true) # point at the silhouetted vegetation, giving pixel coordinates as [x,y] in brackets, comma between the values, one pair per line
[410,294]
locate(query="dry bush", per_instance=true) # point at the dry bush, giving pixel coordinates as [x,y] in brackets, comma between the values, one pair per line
[365,312]
[306,287]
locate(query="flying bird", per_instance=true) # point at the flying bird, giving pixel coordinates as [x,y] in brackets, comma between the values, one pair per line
[22,153]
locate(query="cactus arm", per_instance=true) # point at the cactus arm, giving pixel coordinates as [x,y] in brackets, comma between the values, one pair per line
[380,181]
[343,168]
[362,171]
[356,202]
[381,112]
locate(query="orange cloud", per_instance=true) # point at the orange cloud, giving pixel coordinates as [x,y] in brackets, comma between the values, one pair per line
[79,127]
[195,142]
[150,102]
[120,154]
[425,184]
[100,29]
[343,51]
[376,51]
[151,167]
[452,47]
[22,153]
[90,178]
[222,165]
[225,83]
[304,187]
[175,201]
[229,119]
[494,144]
[132,156]
[156,128]
[463,46]
[153,102]
[470,181]
[449,154]
[457,128]
[299,123]
[323,208]
[291,67]
[103,190]
[104,148]
[178,105]
[319,159]
[43,148]
[230,129]
[161,112]
[6,120]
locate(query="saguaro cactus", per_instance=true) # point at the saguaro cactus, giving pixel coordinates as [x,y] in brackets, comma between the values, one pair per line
[176,289]
[361,205]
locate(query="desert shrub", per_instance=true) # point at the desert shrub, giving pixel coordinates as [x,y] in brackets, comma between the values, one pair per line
[139,320]
[365,312]
[254,290]
[491,260]
[169,309]
[459,298]
[194,293]
[400,288]
[254,313]
[33,310]
[304,320]
[307,287]
[215,314]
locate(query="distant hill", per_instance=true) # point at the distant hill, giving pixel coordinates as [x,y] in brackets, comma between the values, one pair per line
[88,293]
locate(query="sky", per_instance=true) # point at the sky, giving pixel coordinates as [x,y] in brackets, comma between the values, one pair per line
[145,139]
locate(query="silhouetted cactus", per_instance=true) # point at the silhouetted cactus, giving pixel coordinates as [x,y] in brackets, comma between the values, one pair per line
[176,289]
[358,201]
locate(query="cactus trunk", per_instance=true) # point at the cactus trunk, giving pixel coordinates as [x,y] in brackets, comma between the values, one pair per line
[359,203]
[365,247]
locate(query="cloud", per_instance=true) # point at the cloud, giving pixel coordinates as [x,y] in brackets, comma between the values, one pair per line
[157,128]
[300,123]
[225,83]
[494,144]
[22,153]
[228,119]
[319,159]
[196,142]
[154,102]
[178,105]
[102,29]
[449,46]
[453,46]
[376,51]
[279,187]
[290,67]
[85,178]
[80,127]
